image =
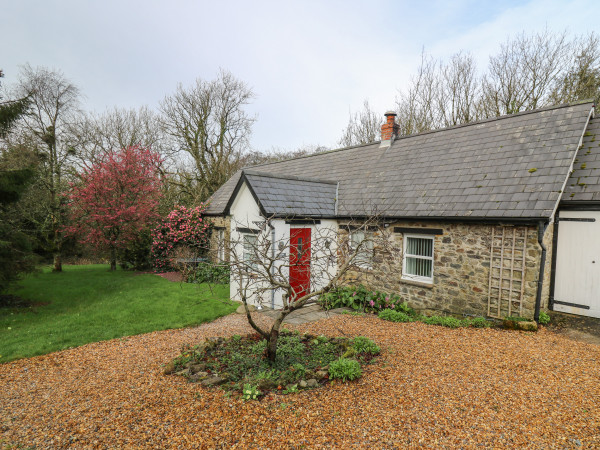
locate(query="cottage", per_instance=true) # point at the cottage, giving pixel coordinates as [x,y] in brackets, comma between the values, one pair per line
[499,217]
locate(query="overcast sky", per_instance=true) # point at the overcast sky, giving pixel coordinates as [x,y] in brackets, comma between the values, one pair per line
[309,62]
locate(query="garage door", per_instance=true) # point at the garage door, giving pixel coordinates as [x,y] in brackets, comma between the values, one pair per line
[577,280]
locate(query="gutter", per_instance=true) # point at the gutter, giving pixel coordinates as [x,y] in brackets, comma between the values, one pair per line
[540,284]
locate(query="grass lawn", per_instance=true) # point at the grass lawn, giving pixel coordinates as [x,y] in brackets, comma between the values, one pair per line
[88,304]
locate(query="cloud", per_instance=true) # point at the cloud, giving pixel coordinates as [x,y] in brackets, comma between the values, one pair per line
[309,62]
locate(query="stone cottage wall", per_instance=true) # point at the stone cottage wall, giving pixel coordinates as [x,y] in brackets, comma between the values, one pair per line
[461,271]
[219,223]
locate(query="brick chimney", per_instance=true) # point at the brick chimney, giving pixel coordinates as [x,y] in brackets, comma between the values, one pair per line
[389,130]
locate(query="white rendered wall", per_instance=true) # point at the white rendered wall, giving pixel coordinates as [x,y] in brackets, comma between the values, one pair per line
[245,213]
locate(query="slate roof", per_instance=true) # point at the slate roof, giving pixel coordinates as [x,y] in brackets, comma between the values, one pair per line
[584,183]
[480,170]
[292,196]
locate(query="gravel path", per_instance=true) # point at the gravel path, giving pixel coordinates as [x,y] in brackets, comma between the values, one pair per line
[432,387]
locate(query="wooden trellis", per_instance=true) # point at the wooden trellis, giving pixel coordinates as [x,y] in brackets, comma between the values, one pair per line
[507,271]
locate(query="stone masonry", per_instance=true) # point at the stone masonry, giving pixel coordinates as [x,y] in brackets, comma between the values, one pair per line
[461,271]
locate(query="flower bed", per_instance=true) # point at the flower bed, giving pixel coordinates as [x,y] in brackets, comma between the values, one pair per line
[303,362]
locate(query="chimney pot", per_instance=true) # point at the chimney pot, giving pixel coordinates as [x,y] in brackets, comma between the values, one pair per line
[389,130]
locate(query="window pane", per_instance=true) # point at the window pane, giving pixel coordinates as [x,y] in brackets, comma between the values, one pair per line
[419,246]
[249,250]
[418,267]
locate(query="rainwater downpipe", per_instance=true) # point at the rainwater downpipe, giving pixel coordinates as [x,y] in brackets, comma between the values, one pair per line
[538,298]
[273,263]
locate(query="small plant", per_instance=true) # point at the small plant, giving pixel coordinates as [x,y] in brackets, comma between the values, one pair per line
[479,322]
[363,344]
[532,170]
[291,389]
[250,392]
[345,369]
[394,316]
[544,318]
[447,321]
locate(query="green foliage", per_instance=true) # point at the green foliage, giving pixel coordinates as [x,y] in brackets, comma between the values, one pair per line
[394,316]
[88,304]
[10,112]
[241,360]
[209,273]
[544,318]
[250,392]
[363,344]
[345,369]
[136,255]
[359,298]
[16,254]
[291,389]
[480,322]
[444,321]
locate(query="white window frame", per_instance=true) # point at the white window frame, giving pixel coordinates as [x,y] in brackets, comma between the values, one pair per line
[364,258]
[249,257]
[221,245]
[411,277]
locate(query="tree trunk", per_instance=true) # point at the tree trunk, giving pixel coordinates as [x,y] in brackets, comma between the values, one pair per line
[113,259]
[57,262]
[57,252]
[273,337]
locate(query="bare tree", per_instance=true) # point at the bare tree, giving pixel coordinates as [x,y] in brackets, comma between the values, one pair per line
[582,79]
[262,268]
[208,122]
[54,108]
[253,158]
[457,93]
[523,74]
[118,128]
[363,127]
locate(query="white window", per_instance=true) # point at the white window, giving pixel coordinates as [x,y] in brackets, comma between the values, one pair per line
[418,258]
[250,250]
[221,246]
[364,257]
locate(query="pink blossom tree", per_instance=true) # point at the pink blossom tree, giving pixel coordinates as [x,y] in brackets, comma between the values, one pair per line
[183,228]
[115,199]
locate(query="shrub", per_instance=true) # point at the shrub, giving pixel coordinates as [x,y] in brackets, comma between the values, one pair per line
[136,255]
[345,369]
[394,316]
[544,318]
[360,298]
[183,228]
[363,344]
[209,273]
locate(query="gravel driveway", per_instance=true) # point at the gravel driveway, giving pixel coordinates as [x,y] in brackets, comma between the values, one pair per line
[432,387]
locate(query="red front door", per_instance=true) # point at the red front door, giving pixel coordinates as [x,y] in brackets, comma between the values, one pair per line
[300,261]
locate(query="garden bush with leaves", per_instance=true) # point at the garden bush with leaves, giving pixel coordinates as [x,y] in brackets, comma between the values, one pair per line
[209,273]
[360,298]
[183,228]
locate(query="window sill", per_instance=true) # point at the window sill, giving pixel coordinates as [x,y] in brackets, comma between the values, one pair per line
[417,283]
